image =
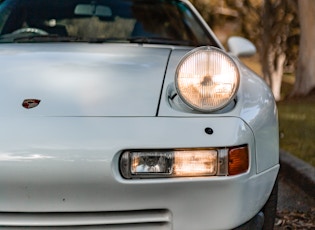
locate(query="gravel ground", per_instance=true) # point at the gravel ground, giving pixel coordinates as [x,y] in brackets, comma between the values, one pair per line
[296,210]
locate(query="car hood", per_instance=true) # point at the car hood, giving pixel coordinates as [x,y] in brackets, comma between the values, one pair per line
[82,79]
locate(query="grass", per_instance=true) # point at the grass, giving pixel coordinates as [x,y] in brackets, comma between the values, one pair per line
[296,119]
[297,124]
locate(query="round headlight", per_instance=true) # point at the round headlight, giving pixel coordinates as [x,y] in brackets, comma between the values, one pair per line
[207,79]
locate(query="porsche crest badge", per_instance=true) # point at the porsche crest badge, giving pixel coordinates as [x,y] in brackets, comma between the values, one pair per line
[30,103]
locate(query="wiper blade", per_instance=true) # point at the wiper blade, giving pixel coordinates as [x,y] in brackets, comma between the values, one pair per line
[104,40]
[148,40]
[47,38]
[58,38]
[159,40]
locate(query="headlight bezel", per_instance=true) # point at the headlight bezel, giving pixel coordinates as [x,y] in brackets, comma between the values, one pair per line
[229,61]
[186,162]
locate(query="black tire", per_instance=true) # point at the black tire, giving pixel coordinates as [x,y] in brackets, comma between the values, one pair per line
[270,208]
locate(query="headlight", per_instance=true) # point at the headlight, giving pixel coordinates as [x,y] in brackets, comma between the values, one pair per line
[207,79]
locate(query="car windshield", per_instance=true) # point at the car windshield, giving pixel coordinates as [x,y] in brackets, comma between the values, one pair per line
[138,21]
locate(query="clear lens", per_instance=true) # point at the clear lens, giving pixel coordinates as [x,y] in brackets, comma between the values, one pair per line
[152,162]
[207,79]
[195,163]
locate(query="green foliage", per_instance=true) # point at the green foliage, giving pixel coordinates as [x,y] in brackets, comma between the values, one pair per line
[297,125]
[296,118]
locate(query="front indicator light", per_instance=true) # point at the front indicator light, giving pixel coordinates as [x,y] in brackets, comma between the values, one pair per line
[238,161]
[231,161]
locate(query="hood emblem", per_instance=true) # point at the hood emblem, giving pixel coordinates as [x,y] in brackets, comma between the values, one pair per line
[30,103]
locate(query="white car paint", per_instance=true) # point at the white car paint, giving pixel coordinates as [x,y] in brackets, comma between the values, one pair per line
[83,79]
[63,161]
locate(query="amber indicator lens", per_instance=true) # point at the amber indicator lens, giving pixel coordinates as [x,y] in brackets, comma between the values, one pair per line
[238,161]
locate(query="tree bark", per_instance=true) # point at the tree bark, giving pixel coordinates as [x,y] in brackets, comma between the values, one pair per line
[276,77]
[274,36]
[305,75]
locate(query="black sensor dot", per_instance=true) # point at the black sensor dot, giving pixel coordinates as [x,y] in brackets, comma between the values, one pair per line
[209,131]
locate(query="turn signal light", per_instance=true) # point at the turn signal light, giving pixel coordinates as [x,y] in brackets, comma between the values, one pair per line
[238,161]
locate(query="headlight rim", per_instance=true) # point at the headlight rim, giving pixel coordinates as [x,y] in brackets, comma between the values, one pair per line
[237,84]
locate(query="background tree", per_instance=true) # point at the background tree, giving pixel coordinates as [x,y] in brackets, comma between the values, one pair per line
[271,24]
[305,75]
[276,21]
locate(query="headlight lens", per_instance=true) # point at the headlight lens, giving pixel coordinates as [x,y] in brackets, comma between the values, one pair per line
[207,79]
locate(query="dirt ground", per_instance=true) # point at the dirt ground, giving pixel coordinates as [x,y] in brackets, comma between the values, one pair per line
[296,210]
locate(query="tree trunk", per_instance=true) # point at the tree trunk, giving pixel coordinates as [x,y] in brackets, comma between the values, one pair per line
[276,77]
[305,75]
[272,66]
[273,51]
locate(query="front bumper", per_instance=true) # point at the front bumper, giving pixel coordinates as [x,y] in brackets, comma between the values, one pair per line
[69,176]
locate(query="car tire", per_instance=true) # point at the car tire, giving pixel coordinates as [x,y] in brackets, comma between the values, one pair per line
[270,208]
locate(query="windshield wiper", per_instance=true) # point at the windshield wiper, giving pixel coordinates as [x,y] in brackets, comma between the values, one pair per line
[56,38]
[158,40]
[142,40]
[104,40]
[47,38]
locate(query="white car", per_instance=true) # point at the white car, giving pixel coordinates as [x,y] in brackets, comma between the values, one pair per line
[130,114]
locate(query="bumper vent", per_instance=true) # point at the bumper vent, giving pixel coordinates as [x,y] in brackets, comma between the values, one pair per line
[131,220]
